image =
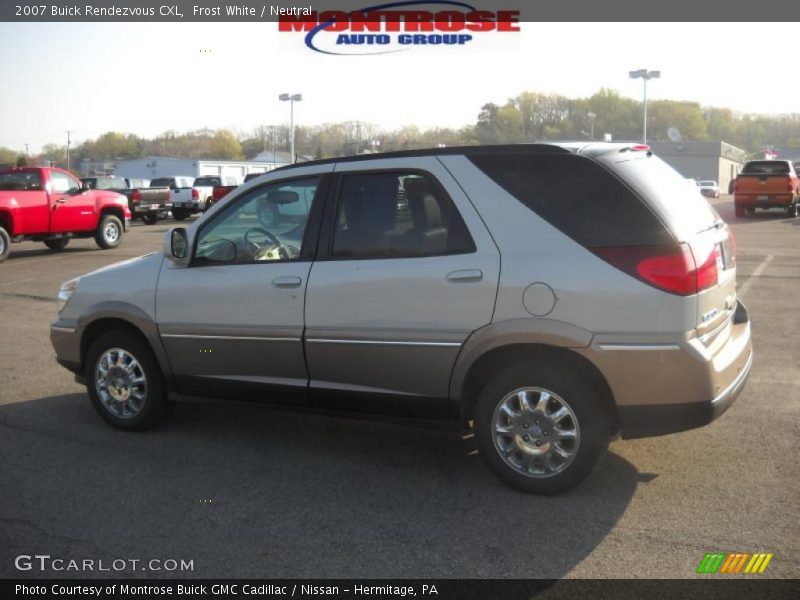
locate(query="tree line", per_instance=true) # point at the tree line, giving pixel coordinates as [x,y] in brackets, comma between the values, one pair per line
[530,116]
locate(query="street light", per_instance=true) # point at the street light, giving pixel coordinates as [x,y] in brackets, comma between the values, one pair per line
[644,75]
[591,116]
[291,98]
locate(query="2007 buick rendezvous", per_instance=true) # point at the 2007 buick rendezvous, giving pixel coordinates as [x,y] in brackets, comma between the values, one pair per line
[555,295]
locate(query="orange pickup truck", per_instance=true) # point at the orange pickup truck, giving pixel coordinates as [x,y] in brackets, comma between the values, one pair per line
[766,184]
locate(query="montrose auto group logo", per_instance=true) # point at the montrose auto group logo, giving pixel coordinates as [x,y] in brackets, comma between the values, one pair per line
[396,26]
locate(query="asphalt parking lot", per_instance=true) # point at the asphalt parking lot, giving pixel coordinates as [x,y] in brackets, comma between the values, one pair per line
[246,492]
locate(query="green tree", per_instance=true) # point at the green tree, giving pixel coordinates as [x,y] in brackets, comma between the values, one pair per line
[225,145]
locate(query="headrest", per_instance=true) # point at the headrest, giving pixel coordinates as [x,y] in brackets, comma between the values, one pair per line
[415,186]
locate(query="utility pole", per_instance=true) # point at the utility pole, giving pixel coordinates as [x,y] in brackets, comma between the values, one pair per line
[68,142]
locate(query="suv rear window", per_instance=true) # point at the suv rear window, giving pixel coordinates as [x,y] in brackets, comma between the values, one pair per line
[576,195]
[766,167]
[207,181]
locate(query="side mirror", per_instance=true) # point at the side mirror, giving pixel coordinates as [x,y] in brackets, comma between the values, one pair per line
[176,246]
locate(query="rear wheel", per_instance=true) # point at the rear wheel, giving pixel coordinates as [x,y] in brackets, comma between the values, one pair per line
[124,382]
[541,427]
[150,218]
[750,210]
[792,210]
[5,244]
[179,214]
[57,244]
[109,232]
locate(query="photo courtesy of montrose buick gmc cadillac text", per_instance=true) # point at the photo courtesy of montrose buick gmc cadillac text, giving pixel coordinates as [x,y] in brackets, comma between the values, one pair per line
[553,296]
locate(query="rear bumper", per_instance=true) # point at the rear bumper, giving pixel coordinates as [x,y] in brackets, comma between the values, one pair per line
[764,200]
[673,383]
[652,420]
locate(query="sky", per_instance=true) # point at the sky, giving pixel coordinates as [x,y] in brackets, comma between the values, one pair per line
[147,78]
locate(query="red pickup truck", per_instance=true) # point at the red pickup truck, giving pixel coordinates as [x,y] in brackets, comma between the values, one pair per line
[766,184]
[51,206]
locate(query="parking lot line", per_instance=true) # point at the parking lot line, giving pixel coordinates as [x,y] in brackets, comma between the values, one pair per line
[756,274]
[18,281]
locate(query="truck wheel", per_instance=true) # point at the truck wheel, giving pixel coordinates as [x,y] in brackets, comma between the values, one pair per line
[5,244]
[792,211]
[150,218]
[124,382]
[109,232]
[541,427]
[57,244]
[179,214]
[739,211]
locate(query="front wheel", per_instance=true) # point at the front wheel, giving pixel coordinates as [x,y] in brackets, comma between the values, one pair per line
[57,244]
[5,244]
[179,214]
[124,381]
[541,427]
[791,211]
[150,218]
[109,232]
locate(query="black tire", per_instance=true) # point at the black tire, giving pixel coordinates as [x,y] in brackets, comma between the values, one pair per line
[153,408]
[5,244]
[750,210]
[179,214]
[57,244]
[739,211]
[567,387]
[150,218]
[109,232]
[791,211]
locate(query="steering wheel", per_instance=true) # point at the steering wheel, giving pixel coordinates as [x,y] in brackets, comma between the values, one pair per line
[271,237]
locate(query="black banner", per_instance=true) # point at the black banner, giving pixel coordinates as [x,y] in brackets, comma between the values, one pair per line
[380,589]
[272,10]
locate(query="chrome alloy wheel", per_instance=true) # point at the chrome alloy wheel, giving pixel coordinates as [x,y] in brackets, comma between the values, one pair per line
[111,232]
[535,432]
[121,383]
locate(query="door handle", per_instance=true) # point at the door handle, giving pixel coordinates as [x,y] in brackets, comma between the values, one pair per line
[466,275]
[61,201]
[287,282]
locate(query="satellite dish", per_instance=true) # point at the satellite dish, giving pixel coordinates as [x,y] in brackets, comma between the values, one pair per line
[674,135]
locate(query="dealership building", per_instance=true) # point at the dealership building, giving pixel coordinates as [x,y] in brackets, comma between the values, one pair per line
[159,166]
[718,161]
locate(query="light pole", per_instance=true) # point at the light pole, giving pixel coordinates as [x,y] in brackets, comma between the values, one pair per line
[291,98]
[644,75]
[591,116]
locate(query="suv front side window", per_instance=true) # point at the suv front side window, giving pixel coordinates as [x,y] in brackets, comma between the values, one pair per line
[267,224]
[397,214]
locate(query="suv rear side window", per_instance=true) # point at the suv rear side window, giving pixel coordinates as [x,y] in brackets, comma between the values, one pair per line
[577,196]
[397,215]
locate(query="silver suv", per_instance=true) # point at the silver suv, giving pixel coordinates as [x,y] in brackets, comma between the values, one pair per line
[551,296]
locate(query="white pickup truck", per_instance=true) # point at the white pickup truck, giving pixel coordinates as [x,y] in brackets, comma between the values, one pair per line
[185,198]
[205,185]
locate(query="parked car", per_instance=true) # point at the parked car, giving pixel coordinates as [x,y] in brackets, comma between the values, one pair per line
[185,199]
[52,206]
[615,310]
[766,184]
[709,188]
[205,187]
[144,202]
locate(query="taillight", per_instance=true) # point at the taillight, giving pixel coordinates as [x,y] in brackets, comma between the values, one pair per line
[672,269]
[136,196]
[195,194]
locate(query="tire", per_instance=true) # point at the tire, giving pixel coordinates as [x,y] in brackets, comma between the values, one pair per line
[750,210]
[791,211]
[128,405]
[5,244]
[150,218]
[109,232]
[527,457]
[739,211]
[57,244]
[179,214]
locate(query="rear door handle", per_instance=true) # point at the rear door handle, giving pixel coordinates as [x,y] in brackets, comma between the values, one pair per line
[466,275]
[287,282]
